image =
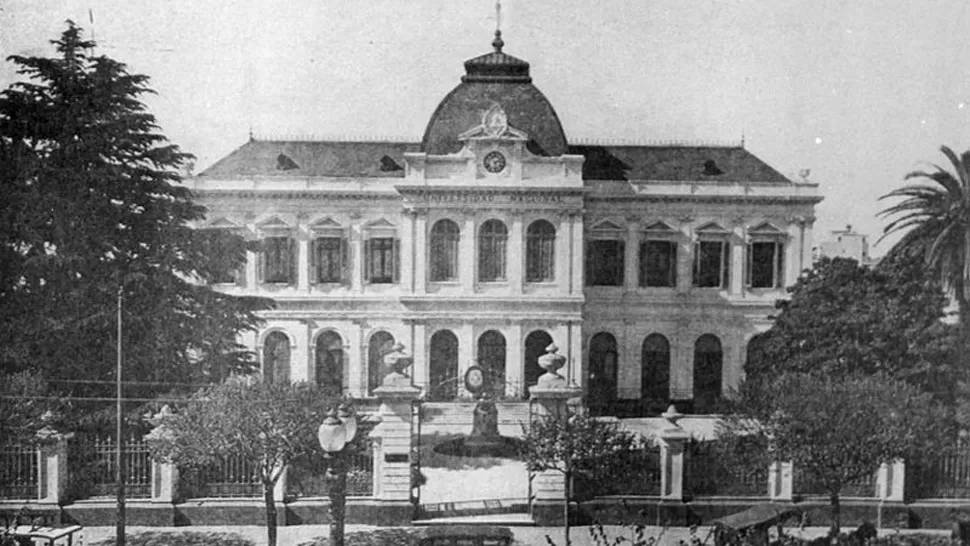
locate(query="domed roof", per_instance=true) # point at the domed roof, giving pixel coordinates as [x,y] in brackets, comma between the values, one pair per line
[490,79]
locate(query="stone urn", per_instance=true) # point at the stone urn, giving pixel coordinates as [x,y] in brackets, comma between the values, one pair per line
[396,361]
[551,362]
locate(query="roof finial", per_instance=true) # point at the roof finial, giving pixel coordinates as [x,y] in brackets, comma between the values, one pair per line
[497,43]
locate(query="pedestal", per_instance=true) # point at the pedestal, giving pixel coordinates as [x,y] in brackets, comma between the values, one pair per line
[780,481]
[393,436]
[549,487]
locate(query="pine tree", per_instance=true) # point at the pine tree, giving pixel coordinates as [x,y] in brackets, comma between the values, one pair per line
[92,206]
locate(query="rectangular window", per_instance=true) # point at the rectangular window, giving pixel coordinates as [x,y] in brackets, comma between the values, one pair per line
[330,259]
[604,262]
[658,264]
[381,253]
[711,264]
[764,264]
[279,259]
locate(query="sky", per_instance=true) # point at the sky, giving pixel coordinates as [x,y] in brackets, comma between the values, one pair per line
[860,92]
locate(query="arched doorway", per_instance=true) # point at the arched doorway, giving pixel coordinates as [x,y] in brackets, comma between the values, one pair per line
[754,358]
[443,364]
[329,364]
[276,358]
[601,381]
[380,343]
[535,346]
[491,357]
[655,372]
[708,363]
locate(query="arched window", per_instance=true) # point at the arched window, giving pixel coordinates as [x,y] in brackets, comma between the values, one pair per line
[444,251]
[535,346]
[330,362]
[602,372]
[276,358]
[380,343]
[540,252]
[491,251]
[491,358]
[708,362]
[754,358]
[443,363]
[655,369]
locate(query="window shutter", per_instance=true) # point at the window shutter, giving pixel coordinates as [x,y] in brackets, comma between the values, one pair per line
[588,264]
[780,270]
[621,265]
[725,265]
[292,252]
[314,261]
[344,261]
[368,262]
[672,266]
[396,257]
[748,264]
[261,262]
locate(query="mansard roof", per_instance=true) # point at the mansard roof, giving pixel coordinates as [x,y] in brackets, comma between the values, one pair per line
[283,158]
[288,158]
[675,163]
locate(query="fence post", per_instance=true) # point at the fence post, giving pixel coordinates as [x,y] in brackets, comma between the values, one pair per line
[890,481]
[52,465]
[164,482]
[673,439]
[279,490]
[780,481]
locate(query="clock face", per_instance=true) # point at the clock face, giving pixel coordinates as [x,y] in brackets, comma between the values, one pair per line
[474,379]
[494,162]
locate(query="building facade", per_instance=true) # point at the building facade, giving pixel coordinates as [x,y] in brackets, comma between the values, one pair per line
[846,243]
[650,267]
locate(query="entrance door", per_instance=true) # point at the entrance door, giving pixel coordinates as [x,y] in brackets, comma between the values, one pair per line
[443,366]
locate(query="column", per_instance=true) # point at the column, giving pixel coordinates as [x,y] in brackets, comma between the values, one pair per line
[516,254]
[357,358]
[632,252]
[672,441]
[574,354]
[576,236]
[737,280]
[514,360]
[682,361]
[357,258]
[806,242]
[407,253]
[466,354]
[420,370]
[467,256]
[303,263]
[299,355]
[251,273]
[420,252]
[628,363]
[685,263]
[780,481]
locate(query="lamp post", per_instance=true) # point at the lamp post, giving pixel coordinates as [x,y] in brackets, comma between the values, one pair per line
[336,431]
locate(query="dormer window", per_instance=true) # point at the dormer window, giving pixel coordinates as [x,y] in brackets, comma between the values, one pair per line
[711,168]
[388,165]
[285,163]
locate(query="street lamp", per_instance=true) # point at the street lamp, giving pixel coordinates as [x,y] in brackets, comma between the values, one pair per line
[336,431]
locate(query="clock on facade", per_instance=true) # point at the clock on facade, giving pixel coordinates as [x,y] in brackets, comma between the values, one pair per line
[494,162]
[474,379]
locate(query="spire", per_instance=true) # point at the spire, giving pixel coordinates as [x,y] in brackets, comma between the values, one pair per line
[497,43]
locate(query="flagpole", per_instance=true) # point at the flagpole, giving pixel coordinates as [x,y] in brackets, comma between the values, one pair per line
[119,439]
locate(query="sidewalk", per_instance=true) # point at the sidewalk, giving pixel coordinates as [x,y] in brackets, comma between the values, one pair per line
[298,534]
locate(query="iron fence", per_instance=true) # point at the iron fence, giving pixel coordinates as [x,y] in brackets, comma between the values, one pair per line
[93,464]
[305,479]
[227,477]
[944,475]
[632,473]
[19,472]
[710,471]
[804,483]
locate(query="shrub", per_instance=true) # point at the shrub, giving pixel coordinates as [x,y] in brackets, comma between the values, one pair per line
[181,538]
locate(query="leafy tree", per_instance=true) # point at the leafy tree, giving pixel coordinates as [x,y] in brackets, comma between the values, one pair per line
[935,215]
[267,425]
[843,318]
[574,446]
[92,210]
[838,429]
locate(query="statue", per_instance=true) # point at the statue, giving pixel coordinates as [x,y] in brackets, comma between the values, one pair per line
[397,360]
[551,362]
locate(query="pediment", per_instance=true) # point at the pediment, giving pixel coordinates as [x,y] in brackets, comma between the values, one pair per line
[607,225]
[326,223]
[659,227]
[712,228]
[224,223]
[765,228]
[273,223]
[382,223]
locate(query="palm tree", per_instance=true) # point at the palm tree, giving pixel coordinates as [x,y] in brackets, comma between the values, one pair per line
[935,215]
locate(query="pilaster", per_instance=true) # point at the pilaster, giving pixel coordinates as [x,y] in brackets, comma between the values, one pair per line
[303,264]
[467,255]
[516,254]
[164,482]
[357,357]
[575,272]
[574,358]
[628,368]
[52,468]
[515,360]
[357,258]
[890,481]
[407,253]
[421,252]
[421,371]
[466,354]
[630,270]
